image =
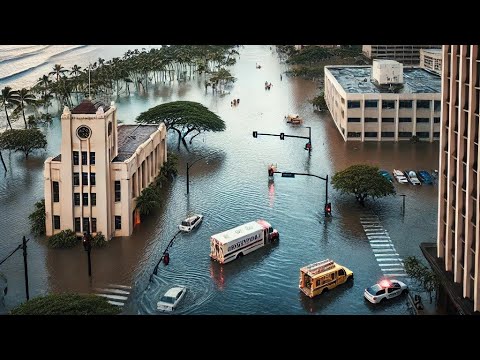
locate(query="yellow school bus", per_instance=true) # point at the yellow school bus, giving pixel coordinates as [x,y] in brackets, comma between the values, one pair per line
[322,276]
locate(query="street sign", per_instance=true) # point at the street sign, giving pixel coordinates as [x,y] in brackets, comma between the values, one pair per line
[288,174]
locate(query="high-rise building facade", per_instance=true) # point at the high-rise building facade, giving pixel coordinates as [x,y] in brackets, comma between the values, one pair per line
[459,179]
[407,54]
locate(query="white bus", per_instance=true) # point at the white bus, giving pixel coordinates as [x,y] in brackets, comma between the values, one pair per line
[231,244]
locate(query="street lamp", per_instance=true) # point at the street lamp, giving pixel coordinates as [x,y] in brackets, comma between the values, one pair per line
[87,245]
[190,165]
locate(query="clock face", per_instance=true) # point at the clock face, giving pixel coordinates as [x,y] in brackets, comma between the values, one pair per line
[83,132]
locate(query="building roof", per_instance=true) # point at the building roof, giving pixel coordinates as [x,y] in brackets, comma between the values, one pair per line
[57,158]
[433,51]
[386,61]
[89,107]
[357,79]
[130,137]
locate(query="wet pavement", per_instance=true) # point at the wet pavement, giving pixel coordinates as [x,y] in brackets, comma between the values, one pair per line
[229,188]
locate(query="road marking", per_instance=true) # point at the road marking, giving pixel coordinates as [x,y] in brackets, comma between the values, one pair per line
[391,254]
[116,294]
[380,241]
[382,250]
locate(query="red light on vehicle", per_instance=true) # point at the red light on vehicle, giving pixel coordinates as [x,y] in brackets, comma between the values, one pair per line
[384,283]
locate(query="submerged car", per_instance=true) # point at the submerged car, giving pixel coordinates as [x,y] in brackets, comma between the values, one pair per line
[190,223]
[385,289]
[172,298]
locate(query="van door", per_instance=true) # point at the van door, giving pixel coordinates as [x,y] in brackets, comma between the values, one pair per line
[341,276]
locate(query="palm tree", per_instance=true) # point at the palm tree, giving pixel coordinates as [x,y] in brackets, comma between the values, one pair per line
[6,101]
[23,98]
[58,70]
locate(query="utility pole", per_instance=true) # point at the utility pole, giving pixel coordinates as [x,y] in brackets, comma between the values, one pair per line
[24,247]
[403,206]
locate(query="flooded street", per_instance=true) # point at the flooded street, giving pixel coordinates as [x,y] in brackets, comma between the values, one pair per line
[230,187]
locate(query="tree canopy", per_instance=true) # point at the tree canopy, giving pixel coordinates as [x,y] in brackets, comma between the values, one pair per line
[67,304]
[37,218]
[23,140]
[184,117]
[362,181]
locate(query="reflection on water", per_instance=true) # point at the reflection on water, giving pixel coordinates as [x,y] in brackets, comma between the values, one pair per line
[229,188]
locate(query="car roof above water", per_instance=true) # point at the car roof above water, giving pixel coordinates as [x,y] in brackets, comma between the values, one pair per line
[173,292]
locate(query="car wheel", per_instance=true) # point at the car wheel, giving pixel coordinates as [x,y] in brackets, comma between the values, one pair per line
[381,300]
[239,255]
[325,290]
[405,291]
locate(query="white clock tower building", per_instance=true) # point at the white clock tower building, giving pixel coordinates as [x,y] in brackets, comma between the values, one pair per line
[93,184]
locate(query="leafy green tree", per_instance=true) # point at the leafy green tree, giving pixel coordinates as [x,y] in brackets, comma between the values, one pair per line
[183,117]
[98,240]
[148,201]
[319,102]
[67,304]
[37,218]
[421,274]
[58,70]
[6,101]
[65,239]
[23,140]
[362,181]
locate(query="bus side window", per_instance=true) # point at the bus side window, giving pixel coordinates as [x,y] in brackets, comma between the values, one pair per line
[318,283]
[341,272]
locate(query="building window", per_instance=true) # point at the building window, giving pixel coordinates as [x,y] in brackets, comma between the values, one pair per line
[354,134]
[353,104]
[371,103]
[388,104]
[109,128]
[423,104]
[84,158]
[84,178]
[117,191]
[436,134]
[92,178]
[76,199]
[351,120]
[75,158]
[405,104]
[423,134]
[85,199]
[423,120]
[86,224]
[371,134]
[77,225]
[92,157]
[94,225]
[118,222]
[371,120]
[405,120]
[405,134]
[437,105]
[56,191]
[93,199]
[389,134]
[436,120]
[388,120]
[56,222]
[76,179]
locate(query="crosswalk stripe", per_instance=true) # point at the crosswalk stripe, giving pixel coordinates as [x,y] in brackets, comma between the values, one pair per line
[376,250]
[393,269]
[379,241]
[381,245]
[390,259]
[116,303]
[115,297]
[120,286]
[390,254]
[396,275]
[114,291]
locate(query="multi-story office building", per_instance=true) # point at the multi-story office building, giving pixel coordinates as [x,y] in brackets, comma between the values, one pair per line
[431,59]
[457,257]
[383,102]
[407,54]
[93,184]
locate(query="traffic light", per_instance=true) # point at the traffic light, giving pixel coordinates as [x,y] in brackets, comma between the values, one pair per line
[270,172]
[308,146]
[166,258]
[282,136]
[255,134]
[87,245]
[328,209]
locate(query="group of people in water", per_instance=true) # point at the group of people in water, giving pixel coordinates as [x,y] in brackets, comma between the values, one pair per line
[235,102]
[268,85]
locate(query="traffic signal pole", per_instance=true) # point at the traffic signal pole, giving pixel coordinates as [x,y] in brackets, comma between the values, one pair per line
[292,175]
[308,146]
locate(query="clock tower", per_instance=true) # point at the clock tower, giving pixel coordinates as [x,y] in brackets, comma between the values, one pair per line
[89,143]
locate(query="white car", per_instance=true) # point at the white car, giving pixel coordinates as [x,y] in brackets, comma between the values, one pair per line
[385,289]
[171,299]
[399,176]
[190,223]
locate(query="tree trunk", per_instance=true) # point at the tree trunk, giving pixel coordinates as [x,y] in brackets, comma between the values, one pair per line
[3,162]
[179,137]
[194,136]
[23,112]
[8,119]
